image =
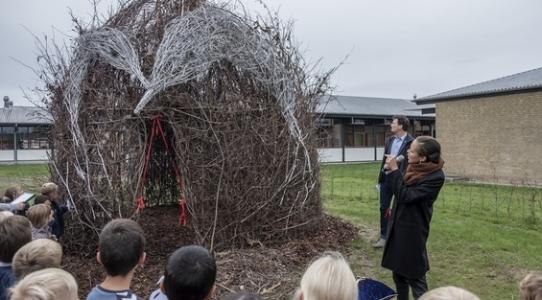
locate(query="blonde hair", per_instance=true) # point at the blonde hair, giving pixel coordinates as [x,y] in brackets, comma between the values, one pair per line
[39,215]
[329,278]
[449,293]
[36,255]
[531,286]
[5,214]
[13,192]
[46,284]
[48,188]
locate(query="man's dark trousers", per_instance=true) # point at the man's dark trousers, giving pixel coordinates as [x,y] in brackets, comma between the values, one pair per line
[386,195]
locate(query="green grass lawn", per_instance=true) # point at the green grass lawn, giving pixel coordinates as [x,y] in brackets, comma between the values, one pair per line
[30,177]
[483,237]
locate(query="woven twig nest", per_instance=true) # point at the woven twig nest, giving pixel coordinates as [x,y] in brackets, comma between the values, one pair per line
[236,103]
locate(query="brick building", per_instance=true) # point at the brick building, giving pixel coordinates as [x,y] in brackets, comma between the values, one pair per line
[492,131]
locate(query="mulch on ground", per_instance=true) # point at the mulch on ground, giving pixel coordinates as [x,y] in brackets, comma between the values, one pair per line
[273,271]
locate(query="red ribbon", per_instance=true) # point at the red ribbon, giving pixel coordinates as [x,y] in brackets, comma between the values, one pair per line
[182,212]
[140,201]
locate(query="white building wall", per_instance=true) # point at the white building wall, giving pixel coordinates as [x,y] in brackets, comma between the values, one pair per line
[359,154]
[330,155]
[28,155]
[326,155]
[6,155]
[379,153]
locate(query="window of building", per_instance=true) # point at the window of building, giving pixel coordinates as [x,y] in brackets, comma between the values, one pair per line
[423,127]
[381,133]
[356,136]
[325,138]
[325,133]
[32,137]
[39,138]
[6,137]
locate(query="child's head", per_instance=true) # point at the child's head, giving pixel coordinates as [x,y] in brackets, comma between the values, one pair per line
[15,232]
[531,286]
[14,192]
[39,215]
[190,274]
[121,247]
[42,199]
[46,284]
[449,293]
[37,255]
[50,189]
[329,277]
[4,214]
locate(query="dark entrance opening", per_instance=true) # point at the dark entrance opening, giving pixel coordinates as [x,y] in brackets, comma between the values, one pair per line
[161,169]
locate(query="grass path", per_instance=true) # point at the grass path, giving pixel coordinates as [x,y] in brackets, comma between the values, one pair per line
[483,252]
[484,238]
[30,177]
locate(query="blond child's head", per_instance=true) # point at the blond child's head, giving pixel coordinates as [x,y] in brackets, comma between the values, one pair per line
[15,232]
[5,214]
[449,293]
[46,284]
[39,215]
[13,192]
[531,286]
[36,255]
[328,278]
[50,189]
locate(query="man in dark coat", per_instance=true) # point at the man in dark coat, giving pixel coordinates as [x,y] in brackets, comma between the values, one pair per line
[396,145]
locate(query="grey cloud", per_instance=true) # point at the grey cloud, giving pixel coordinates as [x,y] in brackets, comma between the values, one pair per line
[396,47]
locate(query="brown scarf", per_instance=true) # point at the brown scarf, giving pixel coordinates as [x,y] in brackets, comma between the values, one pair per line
[417,171]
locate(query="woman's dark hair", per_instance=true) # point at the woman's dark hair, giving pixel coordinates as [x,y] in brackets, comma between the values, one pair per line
[403,121]
[12,192]
[429,147]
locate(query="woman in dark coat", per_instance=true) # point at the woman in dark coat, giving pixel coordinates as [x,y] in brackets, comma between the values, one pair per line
[405,252]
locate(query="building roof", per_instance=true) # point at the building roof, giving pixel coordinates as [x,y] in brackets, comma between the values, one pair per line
[520,82]
[329,105]
[24,115]
[369,107]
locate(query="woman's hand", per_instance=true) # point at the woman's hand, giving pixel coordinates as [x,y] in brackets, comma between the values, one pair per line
[391,162]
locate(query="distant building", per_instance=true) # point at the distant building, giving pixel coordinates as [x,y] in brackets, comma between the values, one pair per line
[24,134]
[354,129]
[492,131]
[350,129]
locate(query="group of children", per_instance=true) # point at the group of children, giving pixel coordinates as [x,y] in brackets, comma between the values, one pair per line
[30,263]
[30,269]
[45,214]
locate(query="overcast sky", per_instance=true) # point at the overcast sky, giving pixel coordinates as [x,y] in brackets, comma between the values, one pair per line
[396,48]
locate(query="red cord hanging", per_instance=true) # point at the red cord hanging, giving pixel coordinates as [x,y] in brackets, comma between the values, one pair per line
[156,129]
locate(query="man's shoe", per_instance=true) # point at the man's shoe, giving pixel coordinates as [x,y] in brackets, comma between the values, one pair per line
[380,244]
